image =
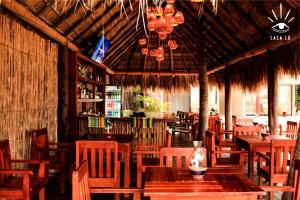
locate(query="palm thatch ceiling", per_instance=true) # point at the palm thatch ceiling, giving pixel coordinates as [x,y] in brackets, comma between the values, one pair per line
[237,27]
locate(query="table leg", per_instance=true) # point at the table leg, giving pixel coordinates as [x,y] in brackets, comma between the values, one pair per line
[251,162]
[127,168]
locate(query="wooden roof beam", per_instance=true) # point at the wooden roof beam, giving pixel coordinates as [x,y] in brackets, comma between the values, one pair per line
[211,24]
[124,48]
[98,19]
[257,51]
[248,17]
[98,8]
[174,73]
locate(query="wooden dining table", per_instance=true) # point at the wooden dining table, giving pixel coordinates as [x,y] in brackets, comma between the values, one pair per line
[253,144]
[124,147]
[173,183]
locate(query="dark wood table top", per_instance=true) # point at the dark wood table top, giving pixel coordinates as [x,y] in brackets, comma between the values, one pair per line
[257,139]
[109,137]
[179,182]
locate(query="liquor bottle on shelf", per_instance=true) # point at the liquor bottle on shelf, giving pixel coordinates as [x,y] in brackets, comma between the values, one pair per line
[90,94]
[97,77]
[83,92]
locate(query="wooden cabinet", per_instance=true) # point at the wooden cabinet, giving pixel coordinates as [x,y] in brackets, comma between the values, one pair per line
[86,90]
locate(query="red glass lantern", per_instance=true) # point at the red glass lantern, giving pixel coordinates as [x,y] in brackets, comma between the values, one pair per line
[159,11]
[169,10]
[144,50]
[160,50]
[162,36]
[172,44]
[179,17]
[153,52]
[173,21]
[160,57]
[142,41]
[152,25]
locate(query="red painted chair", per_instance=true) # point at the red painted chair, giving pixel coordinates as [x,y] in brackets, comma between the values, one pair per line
[295,188]
[17,183]
[169,155]
[216,154]
[291,130]
[58,154]
[274,166]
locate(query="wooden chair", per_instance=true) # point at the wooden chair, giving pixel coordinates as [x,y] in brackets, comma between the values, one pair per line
[212,122]
[275,169]
[103,162]
[58,154]
[167,156]
[244,122]
[291,130]
[245,130]
[148,156]
[223,137]
[81,189]
[17,183]
[295,188]
[217,156]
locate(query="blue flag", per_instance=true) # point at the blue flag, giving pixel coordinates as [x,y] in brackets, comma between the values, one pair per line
[101,49]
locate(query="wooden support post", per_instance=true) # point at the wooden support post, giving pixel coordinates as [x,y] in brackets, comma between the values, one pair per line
[272,93]
[63,92]
[228,103]
[203,87]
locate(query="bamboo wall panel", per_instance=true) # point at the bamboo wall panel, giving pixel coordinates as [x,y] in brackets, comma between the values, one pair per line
[28,85]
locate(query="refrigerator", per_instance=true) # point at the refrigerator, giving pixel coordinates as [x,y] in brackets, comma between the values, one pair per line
[113,101]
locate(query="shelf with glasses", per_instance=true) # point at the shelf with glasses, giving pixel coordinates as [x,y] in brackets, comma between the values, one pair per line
[89,100]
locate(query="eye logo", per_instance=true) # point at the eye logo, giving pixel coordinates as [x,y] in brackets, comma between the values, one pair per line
[281,25]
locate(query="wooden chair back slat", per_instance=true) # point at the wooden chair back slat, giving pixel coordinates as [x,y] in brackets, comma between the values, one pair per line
[40,144]
[93,160]
[281,152]
[212,122]
[291,130]
[244,122]
[4,157]
[80,186]
[178,153]
[107,158]
[101,157]
[245,130]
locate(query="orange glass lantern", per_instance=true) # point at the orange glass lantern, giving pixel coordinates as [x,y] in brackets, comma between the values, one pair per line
[142,41]
[153,52]
[160,57]
[162,36]
[144,50]
[169,10]
[173,21]
[152,25]
[159,11]
[179,17]
[160,50]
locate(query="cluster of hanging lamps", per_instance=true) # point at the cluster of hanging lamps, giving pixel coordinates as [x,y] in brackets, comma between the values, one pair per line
[162,21]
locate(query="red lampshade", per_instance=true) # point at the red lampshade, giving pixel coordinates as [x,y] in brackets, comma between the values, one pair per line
[153,52]
[159,11]
[160,57]
[142,41]
[179,17]
[152,25]
[162,36]
[173,21]
[144,50]
[172,44]
[160,50]
[169,10]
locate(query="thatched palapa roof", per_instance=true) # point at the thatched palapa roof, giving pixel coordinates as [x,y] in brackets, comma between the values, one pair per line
[237,28]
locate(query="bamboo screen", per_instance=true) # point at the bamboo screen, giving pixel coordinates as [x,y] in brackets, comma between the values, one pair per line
[28,85]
